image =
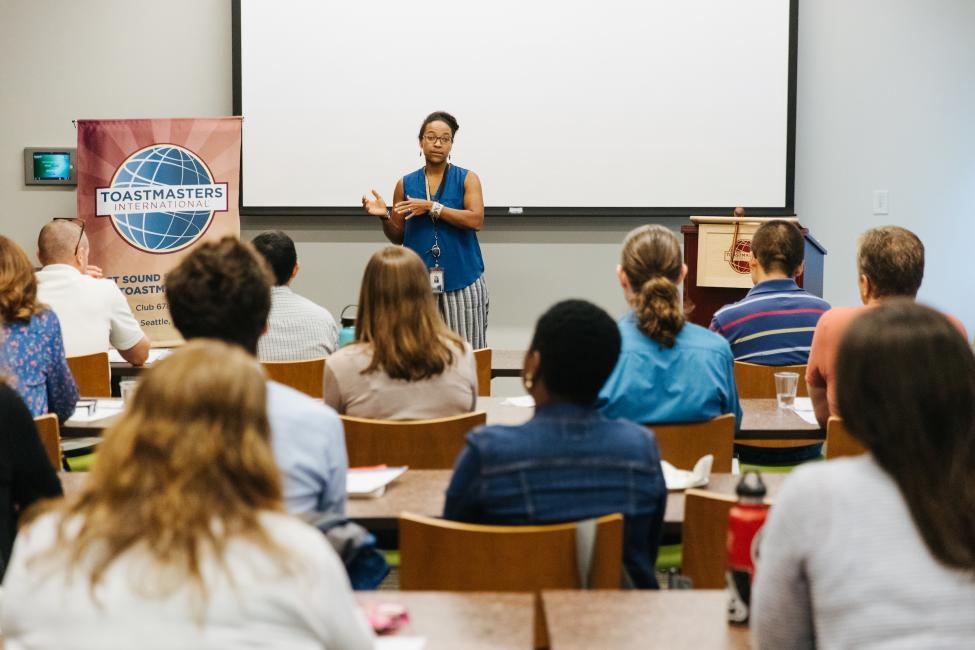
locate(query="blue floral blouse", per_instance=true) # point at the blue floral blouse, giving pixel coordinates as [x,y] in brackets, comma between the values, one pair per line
[32,357]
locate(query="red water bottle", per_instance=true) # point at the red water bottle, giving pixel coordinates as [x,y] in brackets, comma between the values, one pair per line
[745,520]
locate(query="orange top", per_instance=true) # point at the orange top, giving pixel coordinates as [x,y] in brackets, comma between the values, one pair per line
[821,369]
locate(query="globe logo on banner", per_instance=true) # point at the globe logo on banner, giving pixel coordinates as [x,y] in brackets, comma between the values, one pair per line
[162,199]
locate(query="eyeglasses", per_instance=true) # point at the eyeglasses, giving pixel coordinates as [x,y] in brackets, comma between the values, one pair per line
[432,139]
[78,222]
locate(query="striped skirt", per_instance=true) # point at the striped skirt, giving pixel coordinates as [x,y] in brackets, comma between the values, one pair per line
[466,312]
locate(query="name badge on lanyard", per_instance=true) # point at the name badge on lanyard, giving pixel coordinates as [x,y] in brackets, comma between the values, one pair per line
[436,273]
[436,279]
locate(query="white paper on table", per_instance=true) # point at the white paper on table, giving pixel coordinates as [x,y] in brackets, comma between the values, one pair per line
[104,408]
[681,479]
[523,401]
[396,642]
[155,354]
[370,482]
[808,416]
[803,404]
[803,407]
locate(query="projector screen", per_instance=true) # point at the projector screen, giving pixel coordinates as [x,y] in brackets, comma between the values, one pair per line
[666,107]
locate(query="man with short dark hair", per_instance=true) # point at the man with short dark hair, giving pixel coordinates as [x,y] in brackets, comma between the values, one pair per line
[297,328]
[222,290]
[890,264]
[773,324]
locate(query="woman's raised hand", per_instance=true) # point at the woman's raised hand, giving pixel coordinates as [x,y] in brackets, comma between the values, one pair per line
[412,207]
[376,207]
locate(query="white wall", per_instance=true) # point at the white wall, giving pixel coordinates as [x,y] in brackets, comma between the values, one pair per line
[886,98]
[885,93]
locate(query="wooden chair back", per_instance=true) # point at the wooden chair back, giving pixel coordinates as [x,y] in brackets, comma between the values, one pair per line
[758,382]
[49,432]
[420,444]
[444,555]
[93,374]
[483,359]
[682,445]
[839,441]
[306,376]
[704,536]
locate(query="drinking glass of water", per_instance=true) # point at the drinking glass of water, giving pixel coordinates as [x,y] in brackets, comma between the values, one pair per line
[786,384]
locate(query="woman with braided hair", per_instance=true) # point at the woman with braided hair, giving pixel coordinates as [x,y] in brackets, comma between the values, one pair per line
[669,370]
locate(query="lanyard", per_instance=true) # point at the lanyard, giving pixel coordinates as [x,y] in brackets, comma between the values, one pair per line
[435,249]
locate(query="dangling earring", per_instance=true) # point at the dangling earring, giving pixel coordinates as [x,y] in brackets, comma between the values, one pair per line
[528,381]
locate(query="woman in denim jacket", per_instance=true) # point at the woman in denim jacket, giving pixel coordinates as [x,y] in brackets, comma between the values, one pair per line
[568,462]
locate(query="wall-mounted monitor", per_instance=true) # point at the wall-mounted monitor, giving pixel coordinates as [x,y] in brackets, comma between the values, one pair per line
[50,166]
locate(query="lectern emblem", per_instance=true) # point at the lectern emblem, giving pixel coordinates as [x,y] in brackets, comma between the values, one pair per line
[738,253]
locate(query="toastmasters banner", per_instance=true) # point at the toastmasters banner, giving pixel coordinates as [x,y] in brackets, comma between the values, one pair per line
[151,190]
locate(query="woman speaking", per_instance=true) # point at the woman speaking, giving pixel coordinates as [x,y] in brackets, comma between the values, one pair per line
[437,211]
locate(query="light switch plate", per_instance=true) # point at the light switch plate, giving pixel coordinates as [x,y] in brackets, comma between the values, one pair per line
[880,202]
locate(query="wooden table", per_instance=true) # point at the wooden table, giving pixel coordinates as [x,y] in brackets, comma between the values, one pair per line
[761,419]
[472,620]
[450,620]
[635,620]
[497,413]
[72,428]
[422,491]
[506,363]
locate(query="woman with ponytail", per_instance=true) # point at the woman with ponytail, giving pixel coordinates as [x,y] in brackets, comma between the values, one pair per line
[669,370]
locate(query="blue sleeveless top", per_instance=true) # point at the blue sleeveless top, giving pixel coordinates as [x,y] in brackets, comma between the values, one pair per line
[460,254]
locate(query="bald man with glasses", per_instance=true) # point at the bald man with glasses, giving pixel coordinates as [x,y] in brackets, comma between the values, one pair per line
[93,312]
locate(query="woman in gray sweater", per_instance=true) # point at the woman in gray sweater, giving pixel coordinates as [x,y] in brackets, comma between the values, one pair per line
[879,550]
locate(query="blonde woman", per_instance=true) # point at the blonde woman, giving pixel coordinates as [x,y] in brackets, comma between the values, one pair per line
[669,370]
[405,364]
[178,538]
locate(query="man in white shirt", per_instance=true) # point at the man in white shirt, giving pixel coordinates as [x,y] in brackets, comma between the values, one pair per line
[297,328]
[93,312]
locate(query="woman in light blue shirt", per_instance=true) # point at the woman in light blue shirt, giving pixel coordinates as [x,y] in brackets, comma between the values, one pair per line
[669,370]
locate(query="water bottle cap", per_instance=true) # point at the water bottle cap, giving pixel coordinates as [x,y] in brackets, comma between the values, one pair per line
[348,321]
[755,488]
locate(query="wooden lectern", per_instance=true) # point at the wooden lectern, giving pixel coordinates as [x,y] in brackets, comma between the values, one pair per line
[716,251]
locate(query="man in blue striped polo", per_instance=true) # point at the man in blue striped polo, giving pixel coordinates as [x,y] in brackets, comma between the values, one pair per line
[773,324]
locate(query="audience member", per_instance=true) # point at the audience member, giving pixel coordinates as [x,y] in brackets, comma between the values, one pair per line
[669,370]
[890,263]
[222,290]
[568,462]
[31,351]
[405,363]
[26,474]
[93,312]
[297,328]
[879,550]
[178,538]
[773,324]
